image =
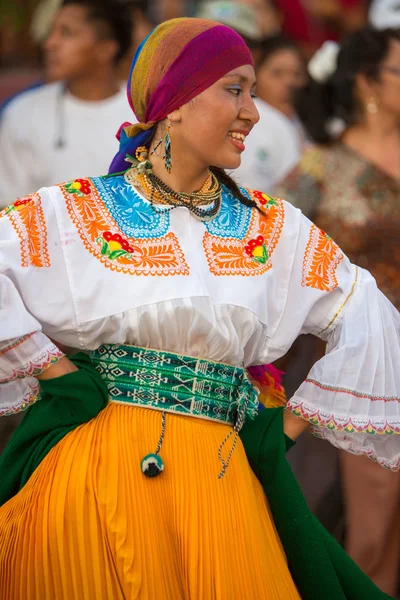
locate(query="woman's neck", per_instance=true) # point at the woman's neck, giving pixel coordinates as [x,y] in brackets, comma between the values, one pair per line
[377,140]
[184,176]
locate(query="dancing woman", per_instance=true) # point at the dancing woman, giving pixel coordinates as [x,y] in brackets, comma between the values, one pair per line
[127,478]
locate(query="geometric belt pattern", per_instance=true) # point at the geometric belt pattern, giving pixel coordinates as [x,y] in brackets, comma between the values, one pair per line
[175,383]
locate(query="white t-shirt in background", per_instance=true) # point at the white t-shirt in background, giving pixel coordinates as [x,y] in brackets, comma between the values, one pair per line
[34,122]
[273,148]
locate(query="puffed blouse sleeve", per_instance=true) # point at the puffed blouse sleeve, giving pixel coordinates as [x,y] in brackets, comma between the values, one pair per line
[25,351]
[352,395]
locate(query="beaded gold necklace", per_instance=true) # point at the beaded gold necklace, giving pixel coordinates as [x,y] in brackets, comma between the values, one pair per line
[157,192]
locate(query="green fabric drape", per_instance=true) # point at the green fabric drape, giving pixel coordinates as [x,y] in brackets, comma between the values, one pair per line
[65,403]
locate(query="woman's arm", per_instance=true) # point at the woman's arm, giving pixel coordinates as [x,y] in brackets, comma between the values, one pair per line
[62,367]
[31,283]
[294,426]
[351,396]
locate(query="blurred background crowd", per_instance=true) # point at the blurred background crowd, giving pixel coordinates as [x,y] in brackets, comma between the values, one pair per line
[328,141]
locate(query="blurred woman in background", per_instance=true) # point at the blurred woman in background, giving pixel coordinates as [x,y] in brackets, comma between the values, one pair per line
[278,139]
[349,184]
[281,73]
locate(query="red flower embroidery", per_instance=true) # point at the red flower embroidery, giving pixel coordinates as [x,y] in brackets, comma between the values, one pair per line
[261,197]
[17,205]
[114,245]
[80,187]
[257,249]
[22,201]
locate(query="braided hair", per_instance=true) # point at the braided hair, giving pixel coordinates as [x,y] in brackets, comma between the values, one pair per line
[232,186]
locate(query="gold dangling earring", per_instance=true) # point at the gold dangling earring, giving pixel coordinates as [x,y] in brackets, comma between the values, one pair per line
[372,105]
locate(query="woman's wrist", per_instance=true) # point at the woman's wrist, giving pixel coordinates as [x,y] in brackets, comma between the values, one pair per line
[61,367]
[294,426]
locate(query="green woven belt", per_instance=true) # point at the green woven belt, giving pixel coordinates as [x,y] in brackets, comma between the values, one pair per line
[174,383]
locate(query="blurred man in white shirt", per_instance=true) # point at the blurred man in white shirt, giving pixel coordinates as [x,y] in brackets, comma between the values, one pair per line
[67,129]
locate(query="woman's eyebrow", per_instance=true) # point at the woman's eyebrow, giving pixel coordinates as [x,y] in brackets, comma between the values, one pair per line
[242,78]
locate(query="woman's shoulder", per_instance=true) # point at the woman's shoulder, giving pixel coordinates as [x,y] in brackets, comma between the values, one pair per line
[320,161]
[89,193]
[264,203]
[29,228]
[278,221]
[31,207]
[41,219]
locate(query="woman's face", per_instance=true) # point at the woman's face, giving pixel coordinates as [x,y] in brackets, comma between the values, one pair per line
[278,77]
[388,88]
[212,128]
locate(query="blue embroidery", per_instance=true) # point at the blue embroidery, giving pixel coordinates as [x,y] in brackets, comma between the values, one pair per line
[137,220]
[234,218]
[133,215]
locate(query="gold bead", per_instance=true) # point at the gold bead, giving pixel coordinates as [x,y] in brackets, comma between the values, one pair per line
[141,153]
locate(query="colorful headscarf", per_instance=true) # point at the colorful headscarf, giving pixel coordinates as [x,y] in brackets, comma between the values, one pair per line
[180,59]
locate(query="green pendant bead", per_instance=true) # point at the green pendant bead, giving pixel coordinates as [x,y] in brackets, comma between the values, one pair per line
[152,465]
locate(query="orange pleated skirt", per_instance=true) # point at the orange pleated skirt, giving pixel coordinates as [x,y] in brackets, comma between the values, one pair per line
[89,525]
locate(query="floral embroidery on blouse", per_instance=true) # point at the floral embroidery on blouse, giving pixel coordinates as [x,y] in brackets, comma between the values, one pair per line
[234,218]
[321,259]
[360,209]
[257,250]
[30,397]
[110,241]
[328,420]
[114,245]
[80,187]
[250,254]
[12,344]
[262,198]
[135,216]
[27,217]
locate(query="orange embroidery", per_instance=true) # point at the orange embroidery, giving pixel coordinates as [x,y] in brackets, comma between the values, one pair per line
[321,258]
[251,255]
[103,238]
[27,218]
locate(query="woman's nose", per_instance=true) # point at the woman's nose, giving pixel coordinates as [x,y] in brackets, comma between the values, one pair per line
[249,111]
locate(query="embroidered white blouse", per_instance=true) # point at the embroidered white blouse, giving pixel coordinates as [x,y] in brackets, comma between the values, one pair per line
[90,262]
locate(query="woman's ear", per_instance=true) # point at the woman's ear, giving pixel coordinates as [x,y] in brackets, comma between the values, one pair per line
[175,116]
[365,87]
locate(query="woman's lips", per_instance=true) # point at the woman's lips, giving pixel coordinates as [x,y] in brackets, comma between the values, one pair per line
[237,143]
[237,138]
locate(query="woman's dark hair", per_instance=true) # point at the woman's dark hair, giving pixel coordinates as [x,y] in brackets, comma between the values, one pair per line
[233,187]
[317,103]
[274,44]
[114,19]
